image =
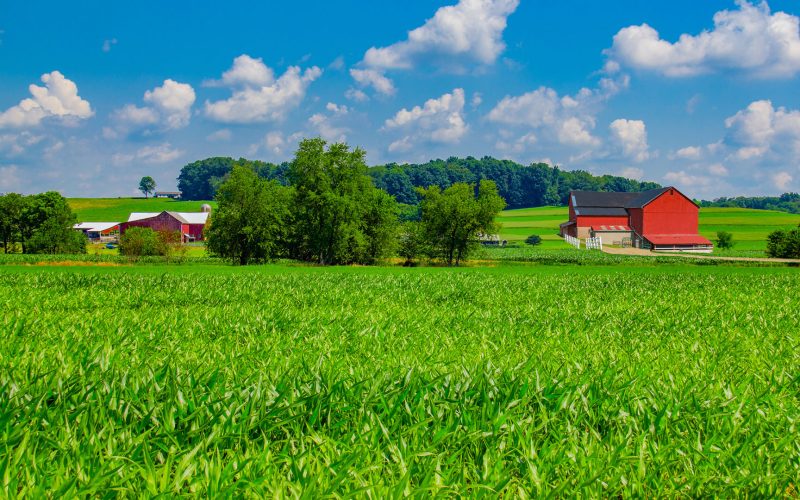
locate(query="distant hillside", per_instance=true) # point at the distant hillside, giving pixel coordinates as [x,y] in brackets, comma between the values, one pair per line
[534,185]
[118,209]
[787,202]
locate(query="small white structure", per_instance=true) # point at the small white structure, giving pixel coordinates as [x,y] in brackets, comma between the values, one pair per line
[98,231]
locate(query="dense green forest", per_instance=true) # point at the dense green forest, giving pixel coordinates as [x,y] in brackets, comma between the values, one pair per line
[787,202]
[521,186]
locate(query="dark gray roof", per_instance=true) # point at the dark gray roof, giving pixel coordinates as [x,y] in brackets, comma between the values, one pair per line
[612,211]
[646,197]
[601,199]
[604,203]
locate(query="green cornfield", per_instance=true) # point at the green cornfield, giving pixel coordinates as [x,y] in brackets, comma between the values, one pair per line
[563,380]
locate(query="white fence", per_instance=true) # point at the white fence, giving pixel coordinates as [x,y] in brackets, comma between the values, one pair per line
[572,241]
[595,243]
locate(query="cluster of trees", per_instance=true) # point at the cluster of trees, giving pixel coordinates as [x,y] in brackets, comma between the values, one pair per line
[201,179]
[330,212]
[538,184]
[40,223]
[784,243]
[787,202]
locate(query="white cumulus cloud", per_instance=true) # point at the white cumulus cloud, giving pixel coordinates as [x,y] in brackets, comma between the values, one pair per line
[256,98]
[456,37]
[472,29]
[568,120]
[327,125]
[761,129]
[58,98]
[161,153]
[631,136]
[439,120]
[751,40]
[373,78]
[168,107]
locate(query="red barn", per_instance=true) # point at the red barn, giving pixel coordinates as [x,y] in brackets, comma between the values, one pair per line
[658,219]
[189,224]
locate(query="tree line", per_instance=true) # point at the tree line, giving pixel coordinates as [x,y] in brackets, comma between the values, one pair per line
[538,184]
[39,223]
[787,202]
[329,211]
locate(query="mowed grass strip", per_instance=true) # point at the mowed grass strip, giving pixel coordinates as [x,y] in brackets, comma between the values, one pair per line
[276,381]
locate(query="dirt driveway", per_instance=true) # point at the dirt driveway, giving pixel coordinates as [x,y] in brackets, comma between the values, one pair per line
[648,253]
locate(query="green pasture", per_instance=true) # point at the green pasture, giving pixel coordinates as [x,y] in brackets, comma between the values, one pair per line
[749,227]
[281,380]
[118,209]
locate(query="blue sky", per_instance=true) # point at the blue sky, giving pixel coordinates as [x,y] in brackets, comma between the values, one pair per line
[701,95]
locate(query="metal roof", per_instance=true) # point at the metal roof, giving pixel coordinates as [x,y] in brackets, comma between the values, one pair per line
[601,199]
[610,211]
[184,217]
[95,226]
[611,228]
[646,197]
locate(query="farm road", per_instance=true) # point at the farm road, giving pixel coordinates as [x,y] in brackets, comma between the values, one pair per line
[648,253]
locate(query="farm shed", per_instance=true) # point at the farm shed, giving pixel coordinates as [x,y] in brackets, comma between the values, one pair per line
[189,224]
[174,195]
[659,219]
[98,231]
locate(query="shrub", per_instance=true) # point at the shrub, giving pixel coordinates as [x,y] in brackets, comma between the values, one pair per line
[724,240]
[144,242]
[533,240]
[784,244]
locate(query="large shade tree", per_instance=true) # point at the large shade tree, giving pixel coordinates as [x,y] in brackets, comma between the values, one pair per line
[252,218]
[340,217]
[454,219]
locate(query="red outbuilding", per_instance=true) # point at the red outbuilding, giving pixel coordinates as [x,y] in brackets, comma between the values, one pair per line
[189,224]
[658,219]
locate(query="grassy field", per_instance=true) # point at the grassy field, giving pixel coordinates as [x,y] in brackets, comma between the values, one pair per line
[749,227]
[118,209]
[221,381]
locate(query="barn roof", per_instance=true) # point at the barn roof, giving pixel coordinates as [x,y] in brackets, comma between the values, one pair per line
[95,226]
[646,197]
[601,199]
[183,217]
[605,203]
[609,211]
[611,228]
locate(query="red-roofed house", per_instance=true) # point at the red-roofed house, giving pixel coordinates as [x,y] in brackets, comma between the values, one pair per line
[659,219]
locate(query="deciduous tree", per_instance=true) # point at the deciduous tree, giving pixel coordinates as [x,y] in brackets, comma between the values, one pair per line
[147,185]
[252,218]
[453,219]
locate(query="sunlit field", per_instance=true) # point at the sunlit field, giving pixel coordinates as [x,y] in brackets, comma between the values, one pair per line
[213,380]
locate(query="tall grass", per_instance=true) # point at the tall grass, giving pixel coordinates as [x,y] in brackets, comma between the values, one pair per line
[405,382]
